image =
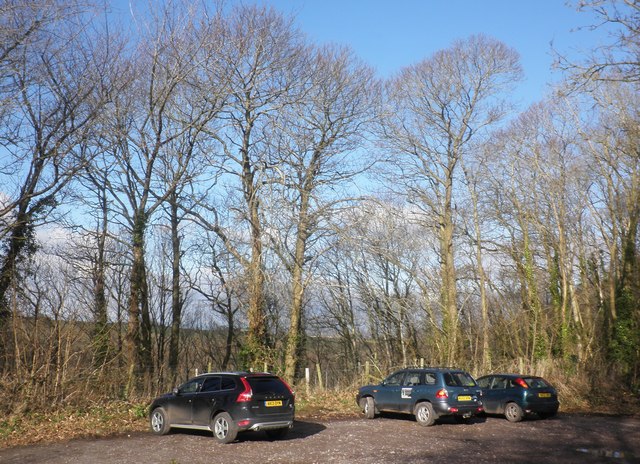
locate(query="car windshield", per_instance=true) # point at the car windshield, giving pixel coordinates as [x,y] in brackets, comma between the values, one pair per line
[459,379]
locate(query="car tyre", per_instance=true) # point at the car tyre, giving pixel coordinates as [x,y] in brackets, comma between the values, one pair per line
[513,412]
[277,434]
[369,408]
[425,415]
[224,429]
[158,421]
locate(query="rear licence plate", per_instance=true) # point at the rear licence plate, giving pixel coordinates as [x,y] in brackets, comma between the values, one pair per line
[271,404]
[544,395]
[464,398]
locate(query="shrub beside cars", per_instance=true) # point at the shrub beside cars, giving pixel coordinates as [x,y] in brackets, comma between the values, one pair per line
[427,393]
[226,403]
[517,395]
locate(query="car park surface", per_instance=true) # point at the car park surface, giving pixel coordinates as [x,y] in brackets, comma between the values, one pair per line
[567,438]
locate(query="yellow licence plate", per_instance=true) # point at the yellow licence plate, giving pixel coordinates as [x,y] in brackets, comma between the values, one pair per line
[464,398]
[544,395]
[271,404]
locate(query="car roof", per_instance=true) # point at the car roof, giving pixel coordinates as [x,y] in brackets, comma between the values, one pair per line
[513,375]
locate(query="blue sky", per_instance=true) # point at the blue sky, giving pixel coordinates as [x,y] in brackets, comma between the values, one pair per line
[392,34]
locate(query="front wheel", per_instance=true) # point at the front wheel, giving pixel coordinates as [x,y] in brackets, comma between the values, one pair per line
[425,414]
[513,412]
[224,429]
[158,421]
[369,408]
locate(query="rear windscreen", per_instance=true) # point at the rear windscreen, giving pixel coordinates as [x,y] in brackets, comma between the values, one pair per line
[536,382]
[265,385]
[458,379]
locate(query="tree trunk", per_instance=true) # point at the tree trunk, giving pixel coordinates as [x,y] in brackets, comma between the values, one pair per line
[176,296]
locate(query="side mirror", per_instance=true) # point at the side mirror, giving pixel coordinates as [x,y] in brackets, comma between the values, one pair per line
[176,392]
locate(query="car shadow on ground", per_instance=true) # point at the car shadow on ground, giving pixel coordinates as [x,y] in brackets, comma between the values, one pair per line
[300,430]
[441,420]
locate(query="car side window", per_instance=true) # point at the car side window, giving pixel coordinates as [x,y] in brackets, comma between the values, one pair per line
[394,379]
[191,387]
[499,383]
[412,379]
[430,378]
[211,384]
[227,383]
[484,383]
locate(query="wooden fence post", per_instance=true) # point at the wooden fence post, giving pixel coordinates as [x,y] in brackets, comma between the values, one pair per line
[319,375]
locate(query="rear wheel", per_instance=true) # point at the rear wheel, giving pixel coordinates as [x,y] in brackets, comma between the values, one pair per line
[369,408]
[277,434]
[513,412]
[224,429]
[424,414]
[158,421]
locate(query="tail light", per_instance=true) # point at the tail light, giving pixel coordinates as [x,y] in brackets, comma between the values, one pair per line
[246,394]
[519,381]
[290,389]
[442,393]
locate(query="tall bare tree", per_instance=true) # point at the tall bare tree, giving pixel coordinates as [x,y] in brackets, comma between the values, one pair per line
[263,53]
[437,110]
[51,89]
[315,152]
[156,127]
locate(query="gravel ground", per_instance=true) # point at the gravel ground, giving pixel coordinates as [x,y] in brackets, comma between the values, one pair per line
[567,438]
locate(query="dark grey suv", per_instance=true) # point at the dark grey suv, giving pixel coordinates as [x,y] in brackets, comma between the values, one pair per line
[226,403]
[428,393]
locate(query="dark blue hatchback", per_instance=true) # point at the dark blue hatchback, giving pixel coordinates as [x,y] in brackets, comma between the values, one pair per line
[517,395]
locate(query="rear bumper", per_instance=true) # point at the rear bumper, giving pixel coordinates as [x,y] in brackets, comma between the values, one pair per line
[271,425]
[276,421]
[468,410]
[549,408]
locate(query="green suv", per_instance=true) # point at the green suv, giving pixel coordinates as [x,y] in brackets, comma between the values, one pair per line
[427,393]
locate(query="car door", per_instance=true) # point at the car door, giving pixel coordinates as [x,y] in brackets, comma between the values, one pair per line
[182,401]
[205,401]
[389,392]
[410,385]
[495,396]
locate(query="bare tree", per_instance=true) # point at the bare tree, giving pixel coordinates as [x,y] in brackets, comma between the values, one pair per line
[262,56]
[436,111]
[155,132]
[618,60]
[315,151]
[52,91]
